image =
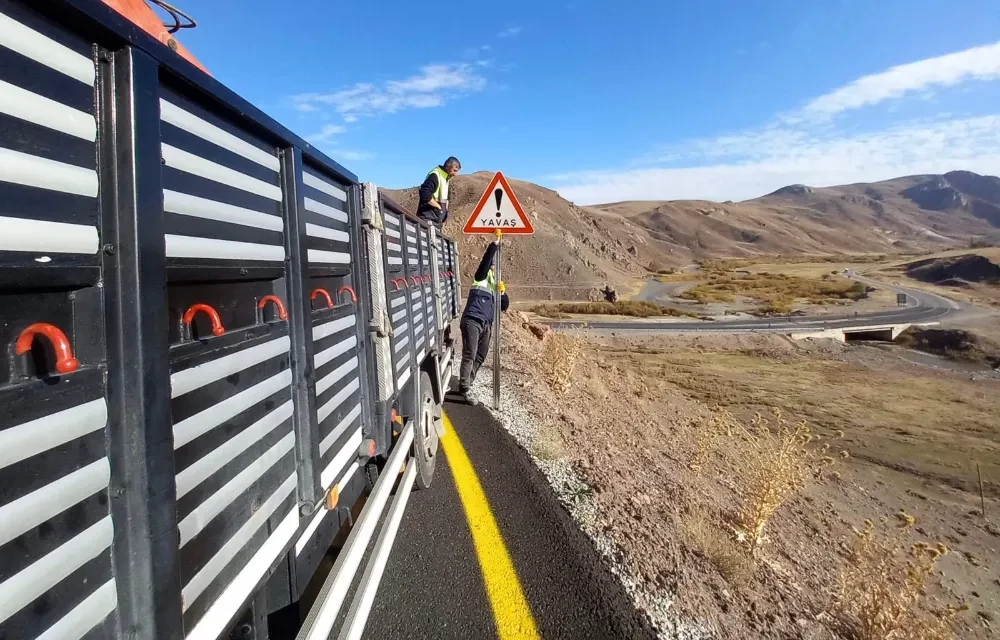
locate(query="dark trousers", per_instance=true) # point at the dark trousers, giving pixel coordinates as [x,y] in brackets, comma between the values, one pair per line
[475,346]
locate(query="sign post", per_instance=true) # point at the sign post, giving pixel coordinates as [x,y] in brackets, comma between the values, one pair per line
[497,296]
[498,212]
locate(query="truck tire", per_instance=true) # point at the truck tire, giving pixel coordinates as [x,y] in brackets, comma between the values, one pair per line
[425,437]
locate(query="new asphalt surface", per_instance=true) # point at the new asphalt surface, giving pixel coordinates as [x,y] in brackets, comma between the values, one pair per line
[434,586]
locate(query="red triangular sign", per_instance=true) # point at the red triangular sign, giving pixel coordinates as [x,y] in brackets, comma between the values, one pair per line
[498,209]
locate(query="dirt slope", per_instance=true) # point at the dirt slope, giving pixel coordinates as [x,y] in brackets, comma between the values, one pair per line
[572,251]
[577,249]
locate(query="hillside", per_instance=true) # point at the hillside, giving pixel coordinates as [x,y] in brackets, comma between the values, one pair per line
[964,268]
[573,250]
[576,249]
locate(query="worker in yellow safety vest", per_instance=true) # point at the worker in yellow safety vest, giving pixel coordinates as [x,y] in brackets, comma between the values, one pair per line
[477,321]
[433,205]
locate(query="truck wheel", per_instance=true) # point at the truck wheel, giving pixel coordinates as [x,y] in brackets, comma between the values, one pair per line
[371,475]
[425,437]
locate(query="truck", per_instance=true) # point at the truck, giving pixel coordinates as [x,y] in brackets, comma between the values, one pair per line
[223,357]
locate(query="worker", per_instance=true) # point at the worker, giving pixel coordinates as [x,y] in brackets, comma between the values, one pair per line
[433,205]
[477,321]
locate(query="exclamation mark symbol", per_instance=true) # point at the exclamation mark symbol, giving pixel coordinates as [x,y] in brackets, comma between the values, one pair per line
[498,194]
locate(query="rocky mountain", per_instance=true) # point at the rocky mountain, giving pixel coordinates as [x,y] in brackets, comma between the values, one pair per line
[964,268]
[576,249]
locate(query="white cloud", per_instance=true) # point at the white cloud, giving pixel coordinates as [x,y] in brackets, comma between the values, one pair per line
[434,86]
[755,163]
[978,63]
[509,32]
[327,133]
[807,146]
[352,155]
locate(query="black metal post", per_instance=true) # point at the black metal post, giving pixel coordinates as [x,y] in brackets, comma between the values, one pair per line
[143,490]
[300,330]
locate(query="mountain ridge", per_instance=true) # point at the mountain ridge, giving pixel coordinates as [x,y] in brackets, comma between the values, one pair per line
[578,248]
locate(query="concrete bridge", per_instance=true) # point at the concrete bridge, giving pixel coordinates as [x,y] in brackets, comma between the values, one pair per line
[882,332]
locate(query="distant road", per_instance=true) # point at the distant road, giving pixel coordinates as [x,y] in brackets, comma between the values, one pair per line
[921,307]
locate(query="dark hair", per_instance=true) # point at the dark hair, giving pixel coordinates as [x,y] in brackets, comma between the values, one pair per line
[452,161]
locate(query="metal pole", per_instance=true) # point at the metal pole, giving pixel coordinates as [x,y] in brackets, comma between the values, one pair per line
[496,328]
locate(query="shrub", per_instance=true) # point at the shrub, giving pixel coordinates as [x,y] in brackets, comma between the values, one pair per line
[709,434]
[776,464]
[881,588]
[776,292]
[558,360]
[703,534]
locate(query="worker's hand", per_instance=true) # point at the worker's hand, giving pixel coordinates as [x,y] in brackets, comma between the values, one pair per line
[503,288]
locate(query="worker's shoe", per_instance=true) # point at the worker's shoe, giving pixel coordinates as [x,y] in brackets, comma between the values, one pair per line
[469,399]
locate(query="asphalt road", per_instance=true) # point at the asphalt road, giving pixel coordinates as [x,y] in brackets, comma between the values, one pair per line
[921,307]
[434,585]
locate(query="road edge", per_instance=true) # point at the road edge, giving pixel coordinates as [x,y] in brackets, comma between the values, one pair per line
[577,515]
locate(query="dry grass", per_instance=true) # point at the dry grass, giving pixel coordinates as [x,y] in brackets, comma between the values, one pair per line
[776,463]
[558,358]
[548,444]
[776,291]
[709,434]
[633,308]
[680,276]
[882,588]
[916,421]
[703,534]
[725,264]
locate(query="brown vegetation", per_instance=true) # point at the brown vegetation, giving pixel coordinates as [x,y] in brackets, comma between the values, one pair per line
[704,484]
[776,462]
[777,292]
[882,587]
[633,308]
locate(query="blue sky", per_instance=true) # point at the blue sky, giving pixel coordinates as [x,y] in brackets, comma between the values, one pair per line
[606,101]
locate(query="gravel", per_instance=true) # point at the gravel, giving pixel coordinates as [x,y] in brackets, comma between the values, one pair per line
[574,493]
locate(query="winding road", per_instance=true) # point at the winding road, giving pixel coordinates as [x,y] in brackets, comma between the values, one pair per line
[921,307]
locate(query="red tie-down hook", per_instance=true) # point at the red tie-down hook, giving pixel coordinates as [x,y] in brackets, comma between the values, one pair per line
[65,362]
[322,292]
[349,290]
[414,280]
[282,313]
[427,279]
[396,281]
[213,316]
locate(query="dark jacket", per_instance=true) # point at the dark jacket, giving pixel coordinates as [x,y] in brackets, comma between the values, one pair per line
[424,210]
[479,305]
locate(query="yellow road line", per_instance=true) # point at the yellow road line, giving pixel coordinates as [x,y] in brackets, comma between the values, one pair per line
[510,607]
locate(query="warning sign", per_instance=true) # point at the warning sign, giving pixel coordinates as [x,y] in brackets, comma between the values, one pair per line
[498,209]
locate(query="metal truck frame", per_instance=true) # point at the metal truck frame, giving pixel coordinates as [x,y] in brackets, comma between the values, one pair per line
[220,352]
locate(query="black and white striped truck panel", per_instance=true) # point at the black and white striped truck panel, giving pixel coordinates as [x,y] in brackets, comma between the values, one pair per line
[221,189]
[56,530]
[233,451]
[48,158]
[186,340]
[326,219]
